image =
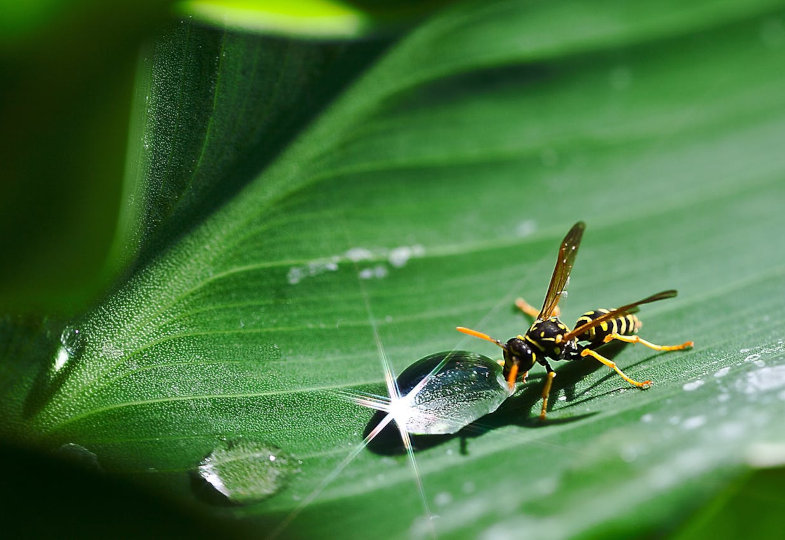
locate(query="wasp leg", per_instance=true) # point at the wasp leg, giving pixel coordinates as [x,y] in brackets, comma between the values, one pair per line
[530,310]
[546,390]
[638,339]
[614,367]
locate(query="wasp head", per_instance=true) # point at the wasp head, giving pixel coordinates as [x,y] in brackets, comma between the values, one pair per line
[518,353]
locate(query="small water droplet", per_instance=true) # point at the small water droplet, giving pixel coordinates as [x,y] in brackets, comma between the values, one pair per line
[526,227]
[694,385]
[71,346]
[722,372]
[443,499]
[245,472]
[694,422]
[72,340]
[80,455]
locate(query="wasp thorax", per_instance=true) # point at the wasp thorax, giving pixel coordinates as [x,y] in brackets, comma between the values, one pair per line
[517,351]
[547,337]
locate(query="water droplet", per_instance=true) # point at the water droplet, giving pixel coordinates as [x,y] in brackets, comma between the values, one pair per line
[399,256]
[693,385]
[526,227]
[442,499]
[722,372]
[245,472]
[752,357]
[694,422]
[79,454]
[467,387]
[72,340]
[358,254]
[763,380]
[764,455]
[71,346]
[379,271]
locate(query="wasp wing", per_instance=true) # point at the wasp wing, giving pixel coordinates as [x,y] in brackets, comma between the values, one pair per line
[618,312]
[561,273]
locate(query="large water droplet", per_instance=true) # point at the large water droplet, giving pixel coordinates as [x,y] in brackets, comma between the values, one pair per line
[245,472]
[467,387]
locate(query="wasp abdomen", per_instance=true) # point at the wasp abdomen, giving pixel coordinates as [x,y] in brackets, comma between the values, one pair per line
[625,325]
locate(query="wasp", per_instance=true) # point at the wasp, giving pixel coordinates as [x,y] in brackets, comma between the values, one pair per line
[549,338]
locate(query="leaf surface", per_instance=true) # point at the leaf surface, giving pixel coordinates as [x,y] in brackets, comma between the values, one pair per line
[429,195]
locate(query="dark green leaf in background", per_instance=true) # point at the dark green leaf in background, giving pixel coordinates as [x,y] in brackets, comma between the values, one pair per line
[428,194]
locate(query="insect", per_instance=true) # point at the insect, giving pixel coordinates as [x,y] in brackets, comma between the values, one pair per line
[549,338]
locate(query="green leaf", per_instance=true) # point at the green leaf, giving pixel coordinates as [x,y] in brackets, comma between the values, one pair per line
[431,193]
[331,19]
[66,92]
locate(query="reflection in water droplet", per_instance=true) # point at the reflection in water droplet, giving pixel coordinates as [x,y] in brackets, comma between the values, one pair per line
[244,472]
[72,339]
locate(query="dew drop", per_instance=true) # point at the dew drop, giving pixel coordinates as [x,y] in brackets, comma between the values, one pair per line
[763,380]
[78,454]
[694,385]
[694,422]
[72,340]
[244,472]
[722,372]
[71,346]
[443,499]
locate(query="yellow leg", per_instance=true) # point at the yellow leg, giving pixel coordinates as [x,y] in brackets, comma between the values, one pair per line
[532,311]
[614,367]
[637,339]
[546,390]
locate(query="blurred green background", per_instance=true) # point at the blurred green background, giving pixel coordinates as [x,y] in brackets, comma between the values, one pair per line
[210,209]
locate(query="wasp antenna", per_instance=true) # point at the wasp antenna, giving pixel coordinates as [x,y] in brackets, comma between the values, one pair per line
[475,333]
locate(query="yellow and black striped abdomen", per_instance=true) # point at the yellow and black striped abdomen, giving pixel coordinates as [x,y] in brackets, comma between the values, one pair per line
[626,325]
